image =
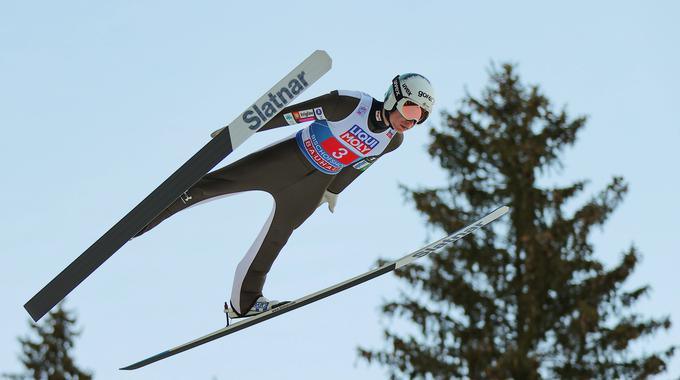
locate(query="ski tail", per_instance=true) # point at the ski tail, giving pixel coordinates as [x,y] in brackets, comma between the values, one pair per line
[244,126]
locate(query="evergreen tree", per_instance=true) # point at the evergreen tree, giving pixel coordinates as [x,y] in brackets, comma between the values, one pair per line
[49,357]
[524,298]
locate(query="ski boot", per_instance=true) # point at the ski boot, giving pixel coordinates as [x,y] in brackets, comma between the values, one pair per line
[261,305]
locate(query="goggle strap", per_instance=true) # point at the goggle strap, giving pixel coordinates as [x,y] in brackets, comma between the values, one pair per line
[396,88]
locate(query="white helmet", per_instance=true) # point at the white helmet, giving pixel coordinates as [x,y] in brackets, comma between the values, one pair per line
[410,87]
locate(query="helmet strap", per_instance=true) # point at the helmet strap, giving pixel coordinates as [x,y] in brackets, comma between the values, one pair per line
[386,116]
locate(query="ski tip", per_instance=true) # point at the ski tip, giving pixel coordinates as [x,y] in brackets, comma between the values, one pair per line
[497,213]
[321,56]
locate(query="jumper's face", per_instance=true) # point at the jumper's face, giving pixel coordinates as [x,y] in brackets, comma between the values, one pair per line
[399,122]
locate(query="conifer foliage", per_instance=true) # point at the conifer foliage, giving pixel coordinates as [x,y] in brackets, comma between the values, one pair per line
[526,298]
[49,357]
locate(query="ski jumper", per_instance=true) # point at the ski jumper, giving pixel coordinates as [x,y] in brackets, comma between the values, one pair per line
[346,136]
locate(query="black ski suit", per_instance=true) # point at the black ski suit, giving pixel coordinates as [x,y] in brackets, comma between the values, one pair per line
[296,172]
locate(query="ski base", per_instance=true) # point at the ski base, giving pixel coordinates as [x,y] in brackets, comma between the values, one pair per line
[434,247]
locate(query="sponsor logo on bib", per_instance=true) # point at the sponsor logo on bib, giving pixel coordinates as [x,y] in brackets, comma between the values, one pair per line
[359,139]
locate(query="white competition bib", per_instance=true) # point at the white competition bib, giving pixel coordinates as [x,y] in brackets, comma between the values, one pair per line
[332,145]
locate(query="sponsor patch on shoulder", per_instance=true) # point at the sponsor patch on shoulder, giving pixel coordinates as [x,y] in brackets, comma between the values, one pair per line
[304,115]
[318,113]
[289,119]
[362,165]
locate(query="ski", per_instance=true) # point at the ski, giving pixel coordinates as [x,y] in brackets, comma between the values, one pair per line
[223,143]
[434,247]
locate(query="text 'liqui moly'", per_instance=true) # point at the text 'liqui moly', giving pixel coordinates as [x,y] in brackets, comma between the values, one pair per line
[359,139]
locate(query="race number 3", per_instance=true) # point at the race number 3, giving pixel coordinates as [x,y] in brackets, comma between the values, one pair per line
[338,151]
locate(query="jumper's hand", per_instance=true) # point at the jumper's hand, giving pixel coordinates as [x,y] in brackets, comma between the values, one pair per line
[329,198]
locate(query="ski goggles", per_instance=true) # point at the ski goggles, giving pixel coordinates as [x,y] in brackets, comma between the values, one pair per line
[408,109]
[411,111]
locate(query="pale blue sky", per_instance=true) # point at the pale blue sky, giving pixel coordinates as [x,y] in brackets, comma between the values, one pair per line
[99,102]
